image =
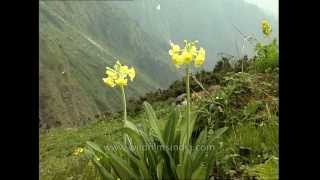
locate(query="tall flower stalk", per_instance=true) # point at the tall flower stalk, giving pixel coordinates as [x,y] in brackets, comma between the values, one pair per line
[188,108]
[184,57]
[148,163]
[118,76]
[124,104]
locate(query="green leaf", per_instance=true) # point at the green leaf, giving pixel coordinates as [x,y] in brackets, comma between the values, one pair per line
[170,127]
[218,133]
[180,172]
[153,124]
[92,147]
[132,131]
[121,167]
[102,170]
[210,162]
[202,137]
[198,154]
[199,173]
[130,125]
[95,147]
[187,166]
[153,121]
[185,139]
[160,170]
[139,163]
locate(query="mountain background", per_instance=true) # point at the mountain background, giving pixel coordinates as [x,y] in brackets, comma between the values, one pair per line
[78,39]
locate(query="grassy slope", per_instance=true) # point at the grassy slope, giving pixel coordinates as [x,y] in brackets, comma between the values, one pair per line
[257,131]
[57,146]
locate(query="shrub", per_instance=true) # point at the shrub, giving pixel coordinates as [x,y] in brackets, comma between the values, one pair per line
[265,171]
[267,57]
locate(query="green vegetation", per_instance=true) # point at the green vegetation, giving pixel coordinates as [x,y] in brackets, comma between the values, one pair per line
[267,57]
[57,146]
[157,163]
[252,137]
[267,170]
[245,102]
[220,124]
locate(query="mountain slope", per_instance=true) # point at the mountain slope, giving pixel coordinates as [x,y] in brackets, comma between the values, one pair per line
[209,21]
[77,41]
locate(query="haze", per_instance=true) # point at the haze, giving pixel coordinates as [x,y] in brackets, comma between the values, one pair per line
[271,6]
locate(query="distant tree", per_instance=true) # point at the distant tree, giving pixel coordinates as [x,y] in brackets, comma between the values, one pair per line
[223,66]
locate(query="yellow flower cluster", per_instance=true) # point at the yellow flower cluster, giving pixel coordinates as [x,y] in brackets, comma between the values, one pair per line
[78,151]
[187,54]
[266,27]
[118,75]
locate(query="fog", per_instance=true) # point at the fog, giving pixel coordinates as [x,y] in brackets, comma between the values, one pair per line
[270,6]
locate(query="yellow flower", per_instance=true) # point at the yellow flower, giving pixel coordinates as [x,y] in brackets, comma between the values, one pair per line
[186,56]
[117,66]
[199,60]
[131,73]
[78,151]
[193,50]
[266,27]
[202,51]
[118,75]
[124,69]
[109,81]
[174,58]
[177,60]
[98,159]
[121,81]
[174,49]
[200,57]
[112,74]
[170,52]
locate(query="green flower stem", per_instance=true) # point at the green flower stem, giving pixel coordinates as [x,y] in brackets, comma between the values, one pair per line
[124,104]
[188,101]
[124,113]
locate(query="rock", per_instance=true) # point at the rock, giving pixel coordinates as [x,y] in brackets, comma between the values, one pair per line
[199,94]
[180,98]
[214,88]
